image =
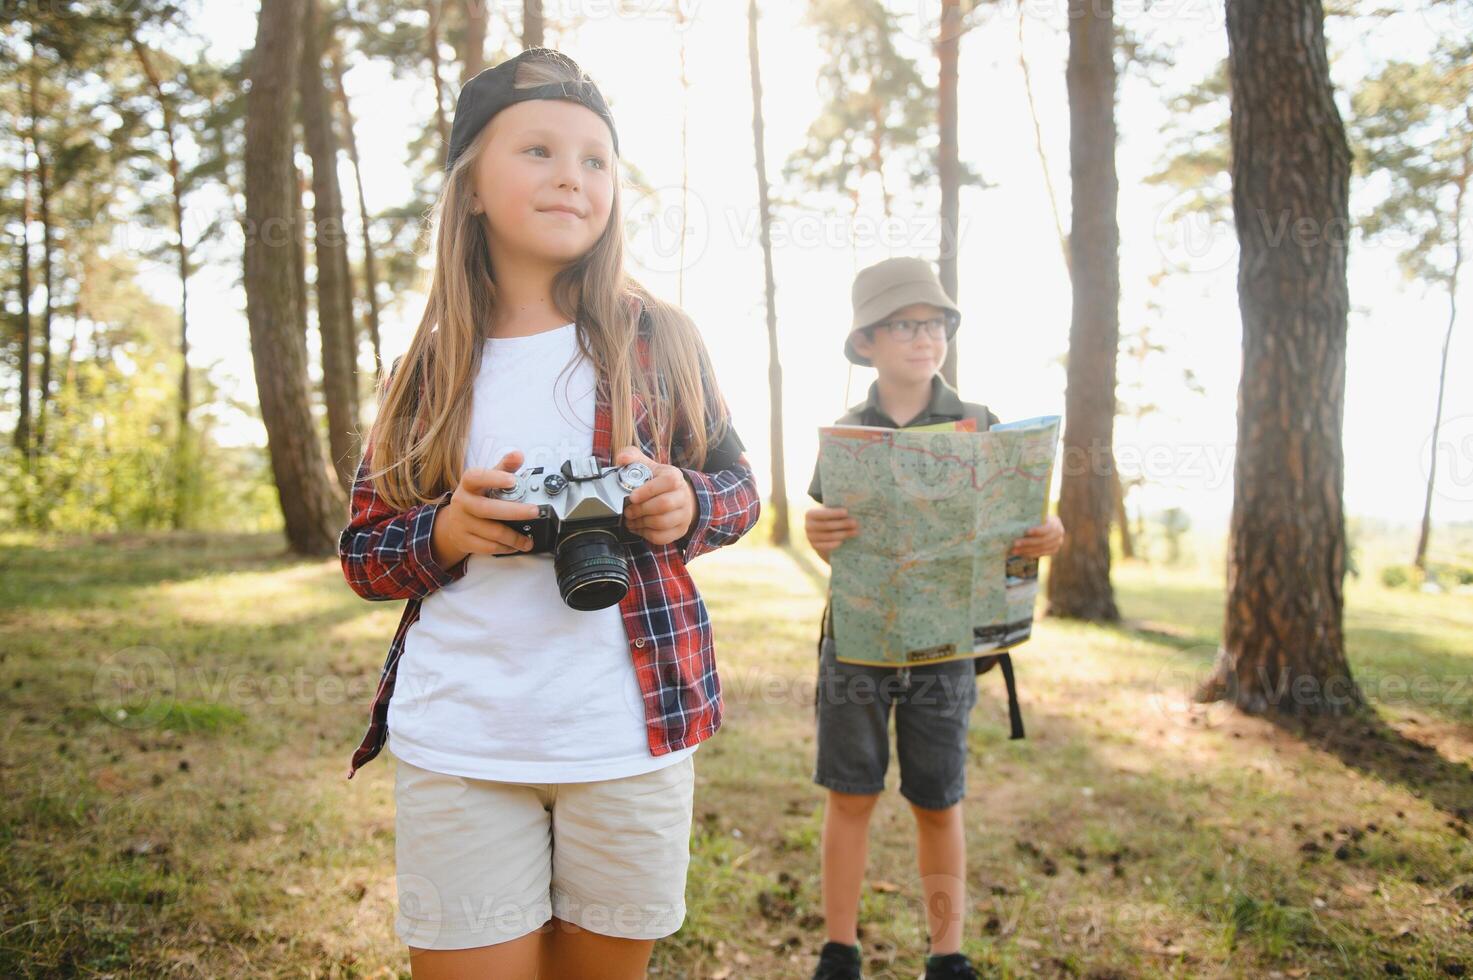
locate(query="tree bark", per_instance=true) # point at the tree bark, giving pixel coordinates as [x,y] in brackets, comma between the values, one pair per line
[1079,576]
[532,24]
[781,531]
[1048,181]
[370,264]
[181,254]
[1424,537]
[442,124]
[473,41]
[43,187]
[312,508]
[685,152]
[23,422]
[299,250]
[948,162]
[1283,647]
[330,248]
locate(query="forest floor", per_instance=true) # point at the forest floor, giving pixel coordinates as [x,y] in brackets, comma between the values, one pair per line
[177,712]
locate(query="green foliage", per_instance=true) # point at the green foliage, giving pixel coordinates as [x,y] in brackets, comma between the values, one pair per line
[114,461]
[877,108]
[1275,925]
[1446,575]
[106,451]
[1398,576]
[1413,131]
[1174,523]
[1440,573]
[1199,149]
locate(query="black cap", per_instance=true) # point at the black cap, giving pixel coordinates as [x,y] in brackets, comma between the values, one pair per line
[492,90]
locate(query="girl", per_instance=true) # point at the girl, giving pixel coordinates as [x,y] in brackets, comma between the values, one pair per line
[543,778]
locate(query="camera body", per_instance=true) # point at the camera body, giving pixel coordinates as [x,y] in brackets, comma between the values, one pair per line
[580,521]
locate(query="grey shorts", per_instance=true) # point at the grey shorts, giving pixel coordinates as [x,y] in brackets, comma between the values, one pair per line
[932,708]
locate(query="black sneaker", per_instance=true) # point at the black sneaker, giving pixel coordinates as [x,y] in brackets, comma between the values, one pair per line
[838,962]
[952,966]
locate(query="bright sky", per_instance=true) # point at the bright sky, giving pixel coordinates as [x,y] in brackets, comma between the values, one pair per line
[1014,292]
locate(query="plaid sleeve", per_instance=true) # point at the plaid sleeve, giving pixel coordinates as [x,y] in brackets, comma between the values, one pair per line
[385,553]
[727,505]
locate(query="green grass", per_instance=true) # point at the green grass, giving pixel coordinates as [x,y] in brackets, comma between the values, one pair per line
[209,830]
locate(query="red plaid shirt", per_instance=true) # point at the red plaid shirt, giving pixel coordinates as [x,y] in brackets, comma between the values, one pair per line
[386,555]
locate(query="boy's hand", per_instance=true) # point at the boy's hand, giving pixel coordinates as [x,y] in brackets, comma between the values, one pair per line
[828,527]
[1041,540]
[473,523]
[663,509]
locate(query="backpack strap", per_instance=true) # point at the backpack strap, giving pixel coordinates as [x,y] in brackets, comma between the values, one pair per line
[1015,714]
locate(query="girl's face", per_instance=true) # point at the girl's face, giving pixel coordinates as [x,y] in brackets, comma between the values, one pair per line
[545,180]
[911,361]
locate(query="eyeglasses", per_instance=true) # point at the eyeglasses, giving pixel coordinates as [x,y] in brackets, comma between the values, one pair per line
[936,328]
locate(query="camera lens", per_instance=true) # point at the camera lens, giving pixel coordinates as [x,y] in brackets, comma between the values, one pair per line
[592,572]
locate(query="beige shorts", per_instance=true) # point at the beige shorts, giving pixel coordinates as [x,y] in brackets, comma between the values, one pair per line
[477,864]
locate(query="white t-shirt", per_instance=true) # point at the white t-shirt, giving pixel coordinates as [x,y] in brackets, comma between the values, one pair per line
[499,678]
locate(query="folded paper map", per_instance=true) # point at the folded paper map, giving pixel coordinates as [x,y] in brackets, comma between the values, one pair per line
[928,578]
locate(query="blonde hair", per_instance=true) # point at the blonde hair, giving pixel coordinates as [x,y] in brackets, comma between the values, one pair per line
[417,442]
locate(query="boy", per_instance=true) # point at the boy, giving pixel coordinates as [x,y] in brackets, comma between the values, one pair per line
[903,320]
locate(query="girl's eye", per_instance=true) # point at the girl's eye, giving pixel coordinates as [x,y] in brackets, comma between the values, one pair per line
[537,149]
[599,161]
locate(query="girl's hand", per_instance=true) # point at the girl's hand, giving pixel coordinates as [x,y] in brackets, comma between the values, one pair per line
[663,509]
[473,524]
[1044,539]
[827,528]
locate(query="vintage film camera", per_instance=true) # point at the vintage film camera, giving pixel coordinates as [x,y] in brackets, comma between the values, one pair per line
[580,520]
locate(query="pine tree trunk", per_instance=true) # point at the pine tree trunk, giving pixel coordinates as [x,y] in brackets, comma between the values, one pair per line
[299,250]
[43,187]
[781,531]
[311,506]
[182,458]
[1283,646]
[949,163]
[1424,537]
[684,155]
[1079,576]
[442,123]
[334,281]
[23,421]
[370,264]
[473,41]
[1043,167]
[532,23]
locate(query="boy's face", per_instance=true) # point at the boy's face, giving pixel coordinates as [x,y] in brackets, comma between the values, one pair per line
[907,361]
